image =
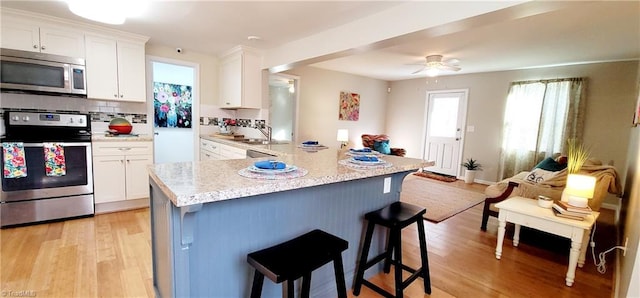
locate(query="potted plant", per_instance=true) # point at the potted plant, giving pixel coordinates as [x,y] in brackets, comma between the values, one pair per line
[471,166]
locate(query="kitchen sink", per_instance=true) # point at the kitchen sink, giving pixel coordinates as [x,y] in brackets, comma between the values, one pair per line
[254,141]
[261,141]
[254,154]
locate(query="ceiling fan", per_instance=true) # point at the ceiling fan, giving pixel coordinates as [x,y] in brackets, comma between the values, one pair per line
[434,64]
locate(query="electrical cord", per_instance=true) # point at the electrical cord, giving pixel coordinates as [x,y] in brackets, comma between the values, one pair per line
[602,265]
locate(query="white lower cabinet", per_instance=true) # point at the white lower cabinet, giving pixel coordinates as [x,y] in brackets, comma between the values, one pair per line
[120,170]
[211,150]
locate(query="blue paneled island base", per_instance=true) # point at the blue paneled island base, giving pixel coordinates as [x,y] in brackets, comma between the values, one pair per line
[206,218]
[201,250]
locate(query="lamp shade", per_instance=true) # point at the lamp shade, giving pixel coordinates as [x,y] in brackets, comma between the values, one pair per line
[343,135]
[580,185]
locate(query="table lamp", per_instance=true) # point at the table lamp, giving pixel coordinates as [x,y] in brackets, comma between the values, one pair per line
[343,137]
[580,189]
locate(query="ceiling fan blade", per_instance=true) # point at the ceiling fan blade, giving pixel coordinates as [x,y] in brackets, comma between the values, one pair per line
[419,70]
[449,67]
[452,61]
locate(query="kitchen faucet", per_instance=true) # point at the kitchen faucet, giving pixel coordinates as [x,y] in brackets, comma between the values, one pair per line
[266,130]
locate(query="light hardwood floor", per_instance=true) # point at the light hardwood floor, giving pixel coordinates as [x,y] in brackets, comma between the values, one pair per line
[109,255]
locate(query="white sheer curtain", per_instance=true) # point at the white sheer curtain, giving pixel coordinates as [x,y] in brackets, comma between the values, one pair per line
[539,117]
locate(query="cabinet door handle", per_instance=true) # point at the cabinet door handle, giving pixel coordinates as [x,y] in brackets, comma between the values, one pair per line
[43,47]
[35,46]
[124,149]
[121,96]
[115,95]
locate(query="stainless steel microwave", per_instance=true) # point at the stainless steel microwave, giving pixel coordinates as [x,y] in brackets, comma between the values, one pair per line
[32,72]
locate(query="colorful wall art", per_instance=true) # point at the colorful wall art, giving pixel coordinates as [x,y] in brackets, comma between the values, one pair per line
[349,106]
[172,105]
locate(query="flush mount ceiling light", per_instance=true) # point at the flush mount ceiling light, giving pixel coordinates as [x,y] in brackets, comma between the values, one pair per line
[292,88]
[105,11]
[434,64]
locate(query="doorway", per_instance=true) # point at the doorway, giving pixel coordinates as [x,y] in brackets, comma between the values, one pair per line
[174,109]
[445,114]
[283,97]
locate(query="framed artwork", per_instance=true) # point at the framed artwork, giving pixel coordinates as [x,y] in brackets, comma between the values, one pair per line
[349,106]
[172,105]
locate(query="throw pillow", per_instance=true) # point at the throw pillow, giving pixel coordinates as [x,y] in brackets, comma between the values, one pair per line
[550,164]
[382,147]
[539,175]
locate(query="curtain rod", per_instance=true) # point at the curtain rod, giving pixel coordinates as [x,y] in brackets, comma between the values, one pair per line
[548,81]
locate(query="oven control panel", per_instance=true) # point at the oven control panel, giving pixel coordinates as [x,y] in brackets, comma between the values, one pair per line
[47,119]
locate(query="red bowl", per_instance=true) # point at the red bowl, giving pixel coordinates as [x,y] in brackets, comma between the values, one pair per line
[121,129]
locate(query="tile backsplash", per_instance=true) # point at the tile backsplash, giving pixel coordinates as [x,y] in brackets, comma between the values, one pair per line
[101,112]
[60,103]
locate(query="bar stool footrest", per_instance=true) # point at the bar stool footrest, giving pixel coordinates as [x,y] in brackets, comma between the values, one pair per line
[377,289]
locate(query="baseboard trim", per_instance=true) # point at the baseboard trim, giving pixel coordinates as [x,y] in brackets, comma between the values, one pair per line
[121,205]
[613,206]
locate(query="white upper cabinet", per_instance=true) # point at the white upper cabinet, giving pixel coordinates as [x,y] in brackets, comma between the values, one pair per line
[131,71]
[115,69]
[114,60]
[240,80]
[38,36]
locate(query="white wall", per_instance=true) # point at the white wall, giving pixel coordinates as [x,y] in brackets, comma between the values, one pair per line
[318,107]
[610,102]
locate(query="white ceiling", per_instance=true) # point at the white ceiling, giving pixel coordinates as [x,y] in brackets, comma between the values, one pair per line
[567,33]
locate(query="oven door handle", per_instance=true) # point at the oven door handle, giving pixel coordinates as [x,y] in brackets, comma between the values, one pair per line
[63,144]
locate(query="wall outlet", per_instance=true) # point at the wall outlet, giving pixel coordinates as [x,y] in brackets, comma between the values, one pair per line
[387,185]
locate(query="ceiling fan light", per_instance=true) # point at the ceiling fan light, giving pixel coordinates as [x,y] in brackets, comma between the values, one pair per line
[432,72]
[109,12]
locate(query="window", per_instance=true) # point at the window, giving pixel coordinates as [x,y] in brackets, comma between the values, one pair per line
[539,117]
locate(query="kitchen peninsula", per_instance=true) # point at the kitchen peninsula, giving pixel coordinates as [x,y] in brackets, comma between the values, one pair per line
[206,218]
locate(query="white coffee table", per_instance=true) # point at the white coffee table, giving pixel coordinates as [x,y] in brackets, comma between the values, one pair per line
[526,212]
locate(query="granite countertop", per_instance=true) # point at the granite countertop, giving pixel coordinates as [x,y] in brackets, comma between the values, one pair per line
[121,138]
[189,183]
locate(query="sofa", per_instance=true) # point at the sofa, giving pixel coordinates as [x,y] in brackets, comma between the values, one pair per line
[370,141]
[523,185]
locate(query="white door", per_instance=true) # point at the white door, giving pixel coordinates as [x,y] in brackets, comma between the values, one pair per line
[446,113]
[172,142]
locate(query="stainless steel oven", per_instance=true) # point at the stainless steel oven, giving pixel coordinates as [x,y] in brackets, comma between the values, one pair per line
[39,196]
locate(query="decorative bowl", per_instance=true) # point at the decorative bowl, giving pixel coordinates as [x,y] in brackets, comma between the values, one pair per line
[545,202]
[120,125]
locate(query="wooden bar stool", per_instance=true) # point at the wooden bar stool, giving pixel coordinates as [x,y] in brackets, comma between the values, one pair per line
[395,217]
[297,258]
